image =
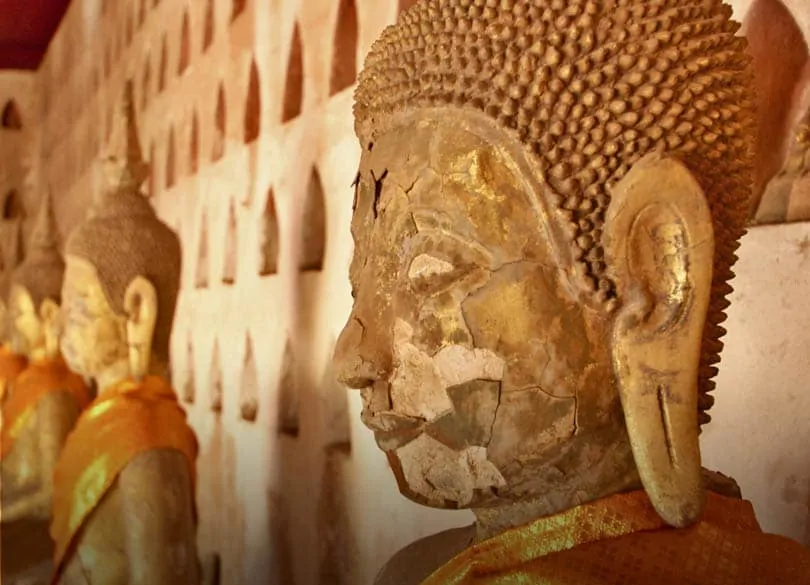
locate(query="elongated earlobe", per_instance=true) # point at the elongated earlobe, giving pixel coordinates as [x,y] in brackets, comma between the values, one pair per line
[660,249]
[140,304]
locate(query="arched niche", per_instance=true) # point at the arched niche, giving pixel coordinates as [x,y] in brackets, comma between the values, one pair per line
[269,237]
[215,392]
[11,118]
[229,267]
[127,29]
[314,226]
[288,415]
[405,5]
[237,8]
[170,161]
[194,146]
[152,170]
[142,13]
[185,45]
[189,383]
[253,105]
[294,82]
[164,64]
[208,26]
[147,83]
[12,206]
[201,274]
[220,122]
[249,390]
[344,49]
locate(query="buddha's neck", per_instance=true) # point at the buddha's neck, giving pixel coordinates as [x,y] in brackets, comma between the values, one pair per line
[490,522]
[121,371]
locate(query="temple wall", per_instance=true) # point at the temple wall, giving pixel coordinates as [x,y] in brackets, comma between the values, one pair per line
[244,110]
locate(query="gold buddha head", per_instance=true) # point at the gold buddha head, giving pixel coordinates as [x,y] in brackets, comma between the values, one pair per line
[122,275]
[35,290]
[549,199]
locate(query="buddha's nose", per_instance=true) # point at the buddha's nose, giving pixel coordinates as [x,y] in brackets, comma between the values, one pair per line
[360,358]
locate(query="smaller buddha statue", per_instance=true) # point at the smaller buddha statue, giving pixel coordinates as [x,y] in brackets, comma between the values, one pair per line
[11,364]
[47,397]
[124,509]
[39,411]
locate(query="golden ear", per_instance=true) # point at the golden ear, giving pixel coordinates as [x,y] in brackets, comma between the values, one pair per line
[659,243]
[49,311]
[140,305]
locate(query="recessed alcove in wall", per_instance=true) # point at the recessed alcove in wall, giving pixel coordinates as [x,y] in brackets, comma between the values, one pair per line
[127,28]
[201,274]
[152,170]
[170,161]
[231,248]
[288,417]
[142,13]
[164,64]
[11,119]
[269,237]
[218,148]
[189,384]
[215,379]
[208,25]
[147,82]
[253,105]
[185,45]
[337,417]
[237,8]
[107,60]
[405,4]
[294,82]
[249,391]
[12,206]
[344,48]
[194,146]
[314,226]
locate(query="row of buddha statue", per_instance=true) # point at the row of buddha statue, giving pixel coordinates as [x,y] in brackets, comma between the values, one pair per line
[545,219]
[109,476]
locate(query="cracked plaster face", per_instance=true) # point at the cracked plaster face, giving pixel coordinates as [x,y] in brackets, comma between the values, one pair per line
[481,378]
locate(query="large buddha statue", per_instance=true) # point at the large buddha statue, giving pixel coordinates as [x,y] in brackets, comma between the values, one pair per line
[47,397]
[549,199]
[124,508]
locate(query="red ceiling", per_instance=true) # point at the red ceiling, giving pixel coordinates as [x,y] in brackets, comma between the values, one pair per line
[26,28]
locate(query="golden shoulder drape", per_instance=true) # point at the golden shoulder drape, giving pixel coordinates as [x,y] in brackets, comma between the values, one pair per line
[621,540]
[40,378]
[121,423]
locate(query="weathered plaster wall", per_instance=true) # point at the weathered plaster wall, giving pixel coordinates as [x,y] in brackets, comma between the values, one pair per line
[245,112]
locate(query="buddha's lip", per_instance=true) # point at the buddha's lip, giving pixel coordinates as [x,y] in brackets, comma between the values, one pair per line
[392,430]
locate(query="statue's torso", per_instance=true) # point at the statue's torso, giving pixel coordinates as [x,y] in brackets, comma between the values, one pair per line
[22,468]
[103,555]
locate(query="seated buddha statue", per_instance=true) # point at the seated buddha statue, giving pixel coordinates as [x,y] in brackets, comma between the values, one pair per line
[549,199]
[47,397]
[11,364]
[123,506]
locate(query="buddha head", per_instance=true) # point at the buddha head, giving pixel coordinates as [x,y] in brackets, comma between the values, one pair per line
[122,275]
[549,199]
[35,290]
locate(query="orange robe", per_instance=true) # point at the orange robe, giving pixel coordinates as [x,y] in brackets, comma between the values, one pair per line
[11,366]
[621,540]
[40,378]
[122,422]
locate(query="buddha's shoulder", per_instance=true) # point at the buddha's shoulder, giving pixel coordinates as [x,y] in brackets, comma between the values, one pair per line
[417,561]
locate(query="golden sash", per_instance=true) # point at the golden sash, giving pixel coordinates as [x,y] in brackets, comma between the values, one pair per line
[121,423]
[39,379]
[11,366]
[621,539]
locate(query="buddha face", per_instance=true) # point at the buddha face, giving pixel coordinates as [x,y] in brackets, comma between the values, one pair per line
[93,334]
[27,331]
[481,376]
